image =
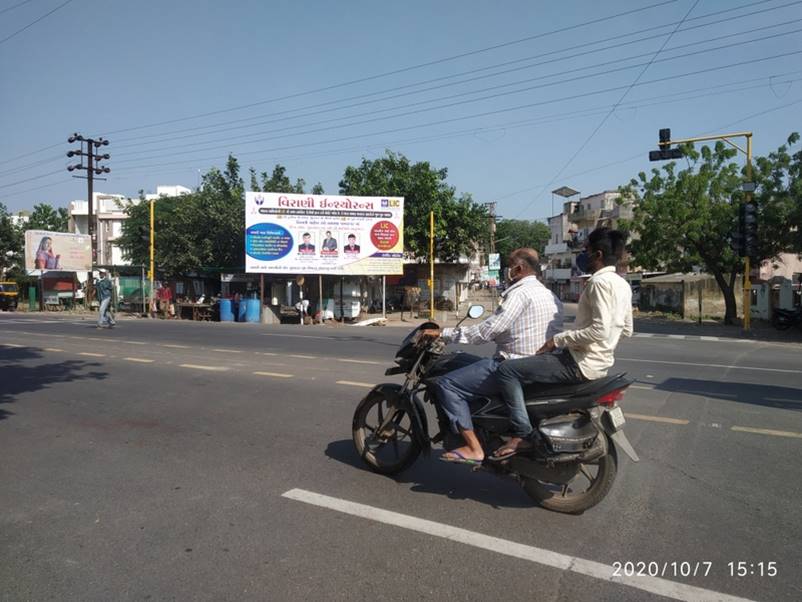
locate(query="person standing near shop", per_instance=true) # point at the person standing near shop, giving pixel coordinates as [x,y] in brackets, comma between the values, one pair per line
[105,289]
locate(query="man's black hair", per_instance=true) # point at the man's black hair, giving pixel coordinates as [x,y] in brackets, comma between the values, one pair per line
[610,242]
[352,236]
[307,234]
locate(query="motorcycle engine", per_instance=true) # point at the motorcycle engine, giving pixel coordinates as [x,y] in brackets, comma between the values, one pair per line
[568,433]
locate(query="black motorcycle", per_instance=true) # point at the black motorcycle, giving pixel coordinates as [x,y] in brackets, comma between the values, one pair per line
[573,462]
[783,319]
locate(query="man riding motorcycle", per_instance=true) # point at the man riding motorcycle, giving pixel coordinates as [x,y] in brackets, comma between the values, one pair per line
[528,315]
[604,314]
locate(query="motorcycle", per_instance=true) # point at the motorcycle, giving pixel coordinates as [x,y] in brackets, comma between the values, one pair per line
[783,319]
[579,427]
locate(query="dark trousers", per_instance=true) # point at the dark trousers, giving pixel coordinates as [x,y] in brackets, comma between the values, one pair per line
[546,368]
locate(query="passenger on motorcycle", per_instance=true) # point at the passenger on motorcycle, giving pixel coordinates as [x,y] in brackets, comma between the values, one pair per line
[604,314]
[527,316]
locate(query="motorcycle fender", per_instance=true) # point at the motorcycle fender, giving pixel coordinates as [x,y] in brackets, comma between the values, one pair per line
[410,404]
[621,441]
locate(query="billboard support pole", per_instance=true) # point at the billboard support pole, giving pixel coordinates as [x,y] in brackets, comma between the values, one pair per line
[261,295]
[384,297]
[320,290]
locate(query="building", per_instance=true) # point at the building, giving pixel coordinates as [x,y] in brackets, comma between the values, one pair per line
[109,213]
[20,219]
[569,231]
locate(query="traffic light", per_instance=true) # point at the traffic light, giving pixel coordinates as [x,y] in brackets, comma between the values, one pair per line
[748,219]
[666,153]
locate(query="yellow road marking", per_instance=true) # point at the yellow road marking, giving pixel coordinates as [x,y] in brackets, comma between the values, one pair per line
[746,429]
[360,362]
[198,367]
[304,357]
[353,383]
[92,354]
[175,346]
[655,418]
[227,350]
[53,349]
[275,374]
[141,360]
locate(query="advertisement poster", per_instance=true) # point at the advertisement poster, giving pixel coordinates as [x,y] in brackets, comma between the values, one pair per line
[57,251]
[320,234]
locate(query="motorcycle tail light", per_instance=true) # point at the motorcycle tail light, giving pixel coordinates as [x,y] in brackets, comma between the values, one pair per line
[609,399]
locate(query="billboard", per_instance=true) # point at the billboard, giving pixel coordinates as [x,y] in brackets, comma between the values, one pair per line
[320,234]
[63,251]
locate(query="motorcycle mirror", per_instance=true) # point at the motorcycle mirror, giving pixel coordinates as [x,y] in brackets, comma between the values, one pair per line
[476,311]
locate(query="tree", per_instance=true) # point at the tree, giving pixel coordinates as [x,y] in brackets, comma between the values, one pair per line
[460,223]
[11,241]
[685,218]
[513,234]
[279,182]
[45,217]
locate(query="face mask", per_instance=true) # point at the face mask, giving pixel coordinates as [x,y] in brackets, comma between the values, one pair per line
[583,262]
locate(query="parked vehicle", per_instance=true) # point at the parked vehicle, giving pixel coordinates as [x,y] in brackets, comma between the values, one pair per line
[579,432]
[783,319]
[9,294]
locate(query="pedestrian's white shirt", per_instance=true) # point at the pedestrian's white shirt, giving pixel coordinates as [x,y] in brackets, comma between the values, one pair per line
[529,314]
[603,315]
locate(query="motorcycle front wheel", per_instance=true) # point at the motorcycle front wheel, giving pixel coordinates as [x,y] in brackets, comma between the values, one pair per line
[387,450]
[589,486]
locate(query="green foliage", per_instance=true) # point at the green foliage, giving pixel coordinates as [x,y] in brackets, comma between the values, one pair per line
[459,222]
[45,217]
[11,241]
[514,234]
[278,182]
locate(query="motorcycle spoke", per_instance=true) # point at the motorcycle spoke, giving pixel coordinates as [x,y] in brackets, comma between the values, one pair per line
[564,490]
[583,469]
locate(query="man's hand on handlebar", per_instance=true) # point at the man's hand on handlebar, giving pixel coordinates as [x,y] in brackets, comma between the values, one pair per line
[428,335]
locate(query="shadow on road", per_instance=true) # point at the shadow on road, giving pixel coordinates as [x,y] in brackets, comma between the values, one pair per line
[429,475]
[16,378]
[769,396]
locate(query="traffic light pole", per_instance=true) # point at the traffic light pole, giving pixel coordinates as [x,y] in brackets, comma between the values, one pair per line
[747,287]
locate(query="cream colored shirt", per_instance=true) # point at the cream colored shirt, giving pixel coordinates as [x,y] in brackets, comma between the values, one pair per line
[603,315]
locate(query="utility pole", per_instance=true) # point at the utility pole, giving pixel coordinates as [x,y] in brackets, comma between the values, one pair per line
[152,249]
[87,149]
[491,215]
[431,265]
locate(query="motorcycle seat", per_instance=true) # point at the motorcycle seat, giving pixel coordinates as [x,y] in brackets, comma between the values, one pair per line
[558,393]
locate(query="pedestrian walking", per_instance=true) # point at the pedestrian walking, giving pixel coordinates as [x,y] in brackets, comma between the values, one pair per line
[104,289]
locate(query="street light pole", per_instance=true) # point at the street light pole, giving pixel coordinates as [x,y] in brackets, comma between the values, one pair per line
[152,248]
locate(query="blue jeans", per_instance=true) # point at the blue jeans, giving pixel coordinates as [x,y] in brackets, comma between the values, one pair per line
[546,368]
[105,314]
[456,388]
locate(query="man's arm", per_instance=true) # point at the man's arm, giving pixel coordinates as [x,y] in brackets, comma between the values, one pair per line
[628,328]
[489,329]
[600,297]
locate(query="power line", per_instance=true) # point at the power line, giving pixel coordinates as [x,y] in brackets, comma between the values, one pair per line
[29,179]
[29,25]
[29,166]
[607,116]
[401,70]
[393,91]
[5,10]
[245,138]
[36,152]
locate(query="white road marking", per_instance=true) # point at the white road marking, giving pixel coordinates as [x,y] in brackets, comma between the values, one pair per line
[141,360]
[53,349]
[266,353]
[353,383]
[644,335]
[303,357]
[12,345]
[199,367]
[746,429]
[655,418]
[676,336]
[360,362]
[227,350]
[647,387]
[173,346]
[589,568]
[92,354]
[274,374]
[710,338]
[632,359]
[296,336]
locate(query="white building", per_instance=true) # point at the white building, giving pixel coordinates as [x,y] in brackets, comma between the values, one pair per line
[20,219]
[109,214]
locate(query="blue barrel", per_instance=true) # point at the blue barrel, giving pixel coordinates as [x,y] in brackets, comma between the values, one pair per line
[242,310]
[252,310]
[225,311]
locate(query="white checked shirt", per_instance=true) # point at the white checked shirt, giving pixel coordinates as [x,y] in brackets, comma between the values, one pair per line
[528,315]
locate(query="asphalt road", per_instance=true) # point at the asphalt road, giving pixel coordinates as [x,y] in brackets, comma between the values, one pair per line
[198,461]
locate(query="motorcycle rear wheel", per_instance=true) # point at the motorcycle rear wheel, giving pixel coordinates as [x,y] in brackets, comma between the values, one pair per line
[394,448]
[567,498]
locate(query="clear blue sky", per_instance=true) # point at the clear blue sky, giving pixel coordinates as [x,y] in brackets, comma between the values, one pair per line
[104,67]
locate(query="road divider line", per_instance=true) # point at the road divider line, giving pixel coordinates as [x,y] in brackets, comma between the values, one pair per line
[56,349]
[266,353]
[360,362]
[648,418]
[135,342]
[647,387]
[199,367]
[773,433]
[633,359]
[710,338]
[88,354]
[173,346]
[644,335]
[564,562]
[274,374]
[141,360]
[303,357]
[353,383]
[12,345]
[227,350]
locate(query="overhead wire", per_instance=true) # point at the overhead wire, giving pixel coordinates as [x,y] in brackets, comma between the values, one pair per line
[24,2]
[29,25]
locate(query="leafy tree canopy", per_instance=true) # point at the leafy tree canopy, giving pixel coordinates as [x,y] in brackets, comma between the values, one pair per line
[513,234]
[45,217]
